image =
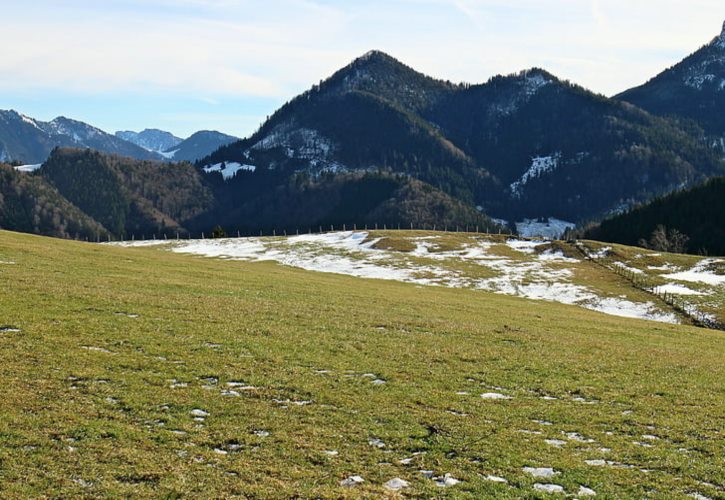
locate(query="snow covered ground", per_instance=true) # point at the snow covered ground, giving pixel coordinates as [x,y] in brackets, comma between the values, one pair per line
[229,169]
[540,165]
[28,168]
[552,228]
[701,273]
[515,267]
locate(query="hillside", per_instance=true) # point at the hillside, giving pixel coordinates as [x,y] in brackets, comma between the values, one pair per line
[132,198]
[693,89]
[181,376]
[31,141]
[505,145]
[128,196]
[697,213]
[29,204]
[252,202]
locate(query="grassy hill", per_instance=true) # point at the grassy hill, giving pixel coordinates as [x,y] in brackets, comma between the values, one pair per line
[139,372]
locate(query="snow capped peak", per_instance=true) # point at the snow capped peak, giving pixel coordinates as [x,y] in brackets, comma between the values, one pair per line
[720,41]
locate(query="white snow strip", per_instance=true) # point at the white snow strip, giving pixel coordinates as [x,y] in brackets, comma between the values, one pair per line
[700,274]
[229,169]
[540,165]
[28,168]
[537,277]
[676,289]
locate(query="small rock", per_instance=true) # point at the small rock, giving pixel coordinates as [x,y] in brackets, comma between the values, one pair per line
[549,488]
[446,481]
[545,472]
[352,481]
[396,484]
[494,395]
[586,492]
[377,443]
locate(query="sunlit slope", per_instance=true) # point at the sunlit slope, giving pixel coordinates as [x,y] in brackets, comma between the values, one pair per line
[149,373]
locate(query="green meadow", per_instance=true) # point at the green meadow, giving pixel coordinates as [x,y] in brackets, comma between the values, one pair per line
[139,372]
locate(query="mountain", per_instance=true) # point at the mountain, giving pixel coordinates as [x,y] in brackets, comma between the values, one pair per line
[128,196]
[198,146]
[697,213]
[692,89]
[30,204]
[30,141]
[520,146]
[358,198]
[150,139]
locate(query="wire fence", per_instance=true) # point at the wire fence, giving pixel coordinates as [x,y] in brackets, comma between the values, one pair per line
[653,286]
[316,229]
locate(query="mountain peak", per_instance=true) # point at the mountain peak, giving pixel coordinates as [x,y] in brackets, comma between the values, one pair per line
[719,40]
[374,54]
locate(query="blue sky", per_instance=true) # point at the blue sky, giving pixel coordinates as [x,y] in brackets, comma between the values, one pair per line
[186,65]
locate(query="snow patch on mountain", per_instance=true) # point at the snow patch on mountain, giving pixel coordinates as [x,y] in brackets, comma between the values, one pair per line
[154,140]
[78,131]
[298,143]
[228,169]
[28,168]
[533,82]
[540,165]
[29,121]
[551,228]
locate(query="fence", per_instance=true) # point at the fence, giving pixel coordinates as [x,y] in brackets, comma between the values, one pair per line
[318,229]
[653,287]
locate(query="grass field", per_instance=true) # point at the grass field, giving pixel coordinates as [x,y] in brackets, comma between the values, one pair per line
[147,373]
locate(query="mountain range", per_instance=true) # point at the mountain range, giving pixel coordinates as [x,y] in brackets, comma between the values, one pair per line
[28,141]
[693,89]
[381,142]
[527,145]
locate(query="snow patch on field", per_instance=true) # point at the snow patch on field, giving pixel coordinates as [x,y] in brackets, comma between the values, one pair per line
[701,273]
[534,275]
[676,289]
